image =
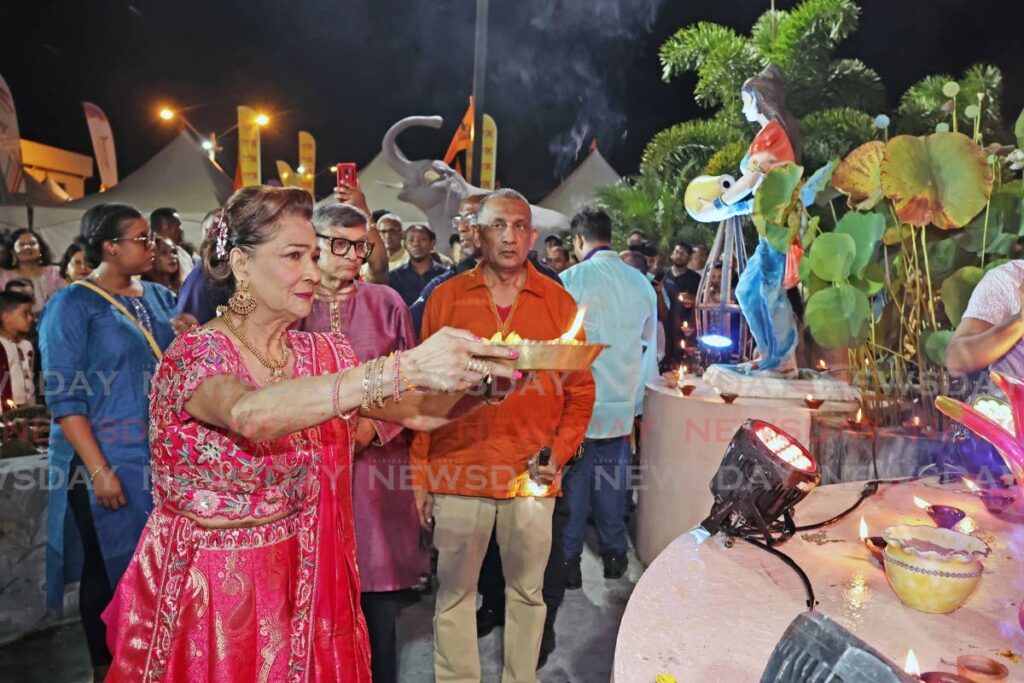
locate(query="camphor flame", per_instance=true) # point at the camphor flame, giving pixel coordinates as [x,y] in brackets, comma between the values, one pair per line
[922,503]
[912,667]
[576,325]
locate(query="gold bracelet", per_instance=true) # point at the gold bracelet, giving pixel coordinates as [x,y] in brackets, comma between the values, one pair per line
[97,471]
[379,395]
[336,398]
[367,369]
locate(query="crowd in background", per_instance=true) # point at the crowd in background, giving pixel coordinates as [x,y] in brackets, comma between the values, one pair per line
[387,286]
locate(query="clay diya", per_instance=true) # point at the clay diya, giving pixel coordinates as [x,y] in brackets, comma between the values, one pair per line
[688,389]
[995,502]
[876,544]
[981,669]
[813,403]
[728,397]
[945,516]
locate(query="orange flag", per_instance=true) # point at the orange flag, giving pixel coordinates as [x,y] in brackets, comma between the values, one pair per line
[462,141]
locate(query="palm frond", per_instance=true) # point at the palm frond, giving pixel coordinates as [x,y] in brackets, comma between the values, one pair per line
[688,142]
[832,133]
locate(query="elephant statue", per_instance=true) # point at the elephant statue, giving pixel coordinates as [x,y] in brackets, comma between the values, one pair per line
[437,190]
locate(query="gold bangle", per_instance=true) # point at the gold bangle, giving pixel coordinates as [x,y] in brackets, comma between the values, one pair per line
[379,395]
[367,369]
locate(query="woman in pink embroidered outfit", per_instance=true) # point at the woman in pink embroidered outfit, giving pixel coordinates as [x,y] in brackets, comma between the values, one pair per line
[246,570]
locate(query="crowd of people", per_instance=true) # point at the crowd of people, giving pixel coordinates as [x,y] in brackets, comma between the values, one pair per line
[255,452]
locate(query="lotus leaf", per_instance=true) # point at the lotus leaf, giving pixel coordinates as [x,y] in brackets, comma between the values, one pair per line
[935,345]
[865,229]
[942,257]
[941,179]
[775,202]
[832,256]
[956,291]
[859,176]
[1018,130]
[897,234]
[839,316]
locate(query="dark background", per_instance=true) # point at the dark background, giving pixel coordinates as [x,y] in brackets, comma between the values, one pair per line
[561,72]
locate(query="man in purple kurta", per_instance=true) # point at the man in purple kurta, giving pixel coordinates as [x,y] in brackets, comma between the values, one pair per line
[390,553]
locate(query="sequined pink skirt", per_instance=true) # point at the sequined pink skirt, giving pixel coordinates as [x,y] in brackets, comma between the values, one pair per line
[231,618]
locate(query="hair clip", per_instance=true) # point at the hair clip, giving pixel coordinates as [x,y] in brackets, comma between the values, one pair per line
[222,236]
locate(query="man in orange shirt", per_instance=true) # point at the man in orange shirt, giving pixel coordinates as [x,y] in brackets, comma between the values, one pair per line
[472,476]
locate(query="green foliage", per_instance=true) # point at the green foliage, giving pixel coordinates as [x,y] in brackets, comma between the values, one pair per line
[832,256]
[942,179]
[653,207]
[727,160]
[1018,130]
[920,108]
[832,133]
[722,59]
[935,345]
[777,208]
[687,147]
[865,229]
[957,289]
[839,316]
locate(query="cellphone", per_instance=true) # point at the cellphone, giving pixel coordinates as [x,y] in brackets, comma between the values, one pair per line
[347,174]
[544,457]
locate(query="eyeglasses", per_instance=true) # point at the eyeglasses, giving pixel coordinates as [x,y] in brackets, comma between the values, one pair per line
[147,239]
[459,219]
[500,226]
[341,246]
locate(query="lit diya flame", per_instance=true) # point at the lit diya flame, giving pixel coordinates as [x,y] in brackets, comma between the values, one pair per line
[863,529]
[822,365]
[11,404]
[570,336]
[921,503]
[974,488]
[860,416]
[911,666]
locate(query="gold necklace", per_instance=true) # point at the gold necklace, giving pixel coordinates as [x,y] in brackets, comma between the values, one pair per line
[276,367]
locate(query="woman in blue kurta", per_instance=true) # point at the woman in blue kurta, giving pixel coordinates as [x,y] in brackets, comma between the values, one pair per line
[100,341]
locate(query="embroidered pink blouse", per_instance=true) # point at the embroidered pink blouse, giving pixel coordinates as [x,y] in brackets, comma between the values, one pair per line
[198,468]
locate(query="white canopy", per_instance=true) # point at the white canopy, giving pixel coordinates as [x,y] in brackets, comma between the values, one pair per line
[180,176]
[580,188]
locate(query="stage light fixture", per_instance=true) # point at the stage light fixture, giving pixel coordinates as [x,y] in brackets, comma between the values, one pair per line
[764,473]
[166,114]
[714,348]
[815,649]
[262,119]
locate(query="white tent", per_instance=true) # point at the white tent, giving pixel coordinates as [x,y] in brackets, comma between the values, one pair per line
[580,188]
[381,184]
[181,176]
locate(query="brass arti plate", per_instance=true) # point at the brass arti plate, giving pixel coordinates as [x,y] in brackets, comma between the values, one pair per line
[555,356]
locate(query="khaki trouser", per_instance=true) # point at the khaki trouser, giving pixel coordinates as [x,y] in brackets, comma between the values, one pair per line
[462,530]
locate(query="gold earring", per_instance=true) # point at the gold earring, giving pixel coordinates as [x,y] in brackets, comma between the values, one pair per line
[242,302]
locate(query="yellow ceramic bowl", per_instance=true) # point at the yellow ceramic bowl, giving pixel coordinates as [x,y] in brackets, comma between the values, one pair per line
[933,570]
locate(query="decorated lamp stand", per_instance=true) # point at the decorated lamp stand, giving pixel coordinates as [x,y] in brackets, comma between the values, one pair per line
[719,319]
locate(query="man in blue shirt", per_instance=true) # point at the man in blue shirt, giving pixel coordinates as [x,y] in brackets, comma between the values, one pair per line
[410,279]
[621,312]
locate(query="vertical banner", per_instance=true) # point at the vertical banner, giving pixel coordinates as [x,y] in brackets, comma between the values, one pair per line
[489,154]
[248,147]
[462,141]
[10,143]
[285,173]
[102,144]
[307,160]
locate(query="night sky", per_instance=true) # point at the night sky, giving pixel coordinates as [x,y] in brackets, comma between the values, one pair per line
[561,72]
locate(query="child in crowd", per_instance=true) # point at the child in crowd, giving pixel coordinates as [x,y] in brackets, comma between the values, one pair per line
[17,358]
[22,286]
